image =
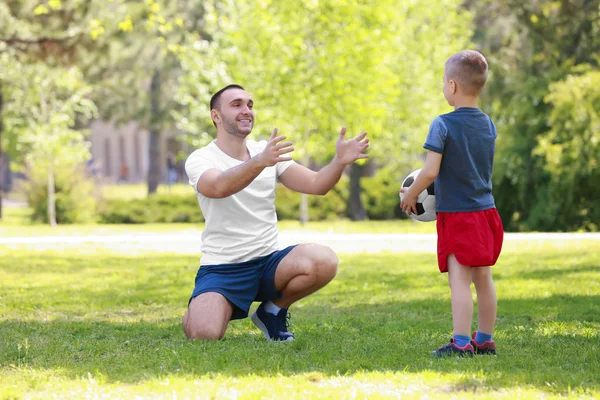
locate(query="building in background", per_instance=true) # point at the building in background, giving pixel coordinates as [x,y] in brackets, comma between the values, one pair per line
[120,153]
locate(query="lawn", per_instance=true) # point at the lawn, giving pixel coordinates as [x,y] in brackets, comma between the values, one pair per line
[89,324]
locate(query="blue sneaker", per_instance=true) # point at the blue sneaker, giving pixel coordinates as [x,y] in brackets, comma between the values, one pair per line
[452,349]
[275,327]
[488,347]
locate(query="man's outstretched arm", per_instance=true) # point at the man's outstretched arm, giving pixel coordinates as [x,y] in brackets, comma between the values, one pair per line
[304,180]
[220,184]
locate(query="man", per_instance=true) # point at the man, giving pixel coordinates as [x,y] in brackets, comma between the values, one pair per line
[234,179]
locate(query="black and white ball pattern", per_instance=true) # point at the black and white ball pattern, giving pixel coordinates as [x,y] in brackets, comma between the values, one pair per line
[425,201]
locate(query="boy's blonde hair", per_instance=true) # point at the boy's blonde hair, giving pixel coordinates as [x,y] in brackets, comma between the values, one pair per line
[470,69]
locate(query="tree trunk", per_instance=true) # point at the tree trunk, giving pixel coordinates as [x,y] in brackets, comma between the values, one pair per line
[304,196]
[303,208]
[356,211]
[1,163]
[51,198]
[154,169]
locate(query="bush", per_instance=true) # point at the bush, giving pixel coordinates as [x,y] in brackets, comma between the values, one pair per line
[74,199]
[380,195]
[155,208]
[166,208]
[332,206]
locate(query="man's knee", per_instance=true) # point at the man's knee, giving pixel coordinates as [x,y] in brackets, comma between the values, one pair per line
[195,332]
[203,334]
[326,264]
[207,317]
[332,263]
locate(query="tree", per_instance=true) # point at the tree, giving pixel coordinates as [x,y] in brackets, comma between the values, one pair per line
[316,66]
[122,47]
[28,36]
[531,46]
[144,50]
[571,150]
[43,110]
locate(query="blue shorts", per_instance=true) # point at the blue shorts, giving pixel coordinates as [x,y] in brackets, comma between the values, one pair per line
[242,283]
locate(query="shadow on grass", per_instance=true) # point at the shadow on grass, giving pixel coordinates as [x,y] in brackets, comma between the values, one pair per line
[370,321]
[550,273]
[537,348]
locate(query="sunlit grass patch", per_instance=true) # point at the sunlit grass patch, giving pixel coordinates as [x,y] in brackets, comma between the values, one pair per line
[92,324]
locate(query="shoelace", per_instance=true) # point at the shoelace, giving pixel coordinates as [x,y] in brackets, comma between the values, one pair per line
[282,324]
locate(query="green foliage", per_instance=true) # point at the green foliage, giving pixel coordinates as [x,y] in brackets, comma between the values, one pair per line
[155,208]
[316,66]
[167,208]
[313,67]
[42,104]
[126,191]
[380,194]
[571,150]
[89,321]
[42,113]
[75,202]
[120,46]
[204,74]
[330,207]
[537,50]
[58,103]
[519,174]
[124,203]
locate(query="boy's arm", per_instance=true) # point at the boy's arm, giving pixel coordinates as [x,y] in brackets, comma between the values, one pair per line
[425,178]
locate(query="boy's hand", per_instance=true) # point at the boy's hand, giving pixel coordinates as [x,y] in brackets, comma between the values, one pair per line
[409,201]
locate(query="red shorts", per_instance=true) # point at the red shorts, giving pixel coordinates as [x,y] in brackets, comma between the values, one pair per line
[475,238]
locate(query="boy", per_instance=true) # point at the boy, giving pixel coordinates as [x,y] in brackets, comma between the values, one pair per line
[460,158]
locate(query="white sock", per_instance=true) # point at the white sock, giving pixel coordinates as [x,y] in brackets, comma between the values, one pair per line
[271,308]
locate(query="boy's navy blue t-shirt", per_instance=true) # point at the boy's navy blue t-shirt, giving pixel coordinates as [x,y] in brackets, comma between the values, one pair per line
[466,138]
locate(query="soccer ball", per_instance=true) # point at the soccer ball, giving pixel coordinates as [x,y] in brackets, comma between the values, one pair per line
[425,201]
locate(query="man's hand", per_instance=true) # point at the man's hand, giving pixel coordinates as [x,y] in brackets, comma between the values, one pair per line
[275,150]
[409,201]
[348,151]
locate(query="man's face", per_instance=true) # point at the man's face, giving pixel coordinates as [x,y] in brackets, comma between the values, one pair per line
[236,112]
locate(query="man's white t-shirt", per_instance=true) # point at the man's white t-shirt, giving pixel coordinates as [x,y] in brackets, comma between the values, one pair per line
[242,226]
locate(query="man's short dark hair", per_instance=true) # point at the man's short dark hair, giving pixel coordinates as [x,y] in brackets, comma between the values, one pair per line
[214,100]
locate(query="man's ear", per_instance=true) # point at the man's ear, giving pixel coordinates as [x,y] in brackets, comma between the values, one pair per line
[215,116]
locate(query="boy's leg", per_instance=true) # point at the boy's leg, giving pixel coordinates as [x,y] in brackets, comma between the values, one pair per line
[486,298]
[459,278]
[304,270]
[207,317]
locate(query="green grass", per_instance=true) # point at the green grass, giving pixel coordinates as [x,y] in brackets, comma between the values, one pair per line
[15,218]
[81,324]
